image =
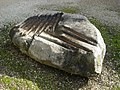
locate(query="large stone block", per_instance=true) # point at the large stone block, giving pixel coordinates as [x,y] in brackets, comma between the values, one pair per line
[65,41]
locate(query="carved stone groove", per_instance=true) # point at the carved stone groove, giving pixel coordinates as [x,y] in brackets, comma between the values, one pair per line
[65,41]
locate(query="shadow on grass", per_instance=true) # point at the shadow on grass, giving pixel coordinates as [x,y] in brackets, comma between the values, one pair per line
[21,72]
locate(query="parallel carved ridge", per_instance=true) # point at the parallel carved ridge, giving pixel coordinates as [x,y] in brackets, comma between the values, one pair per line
[48,24]
[38,24]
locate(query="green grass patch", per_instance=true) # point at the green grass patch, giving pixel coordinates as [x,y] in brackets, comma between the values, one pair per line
[71,10]
[11,83]
[118,88]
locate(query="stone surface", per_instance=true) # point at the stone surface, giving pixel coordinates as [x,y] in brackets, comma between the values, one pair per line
[65,41]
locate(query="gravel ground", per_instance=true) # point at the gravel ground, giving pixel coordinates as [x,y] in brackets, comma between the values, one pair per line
[107,11]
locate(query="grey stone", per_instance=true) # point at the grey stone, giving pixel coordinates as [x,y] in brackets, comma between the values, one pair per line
[68,42]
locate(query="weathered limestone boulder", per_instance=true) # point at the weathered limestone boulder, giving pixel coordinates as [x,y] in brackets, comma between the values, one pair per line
[68,42]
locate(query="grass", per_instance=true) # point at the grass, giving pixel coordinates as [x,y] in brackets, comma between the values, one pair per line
[17,84]
[71,10]
[116,89]
[21,72]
